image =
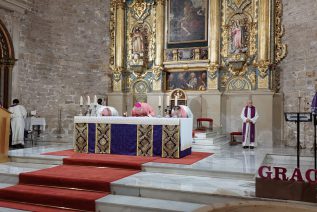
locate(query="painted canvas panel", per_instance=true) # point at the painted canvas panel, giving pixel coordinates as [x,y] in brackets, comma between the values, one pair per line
[187,21]
[189,80]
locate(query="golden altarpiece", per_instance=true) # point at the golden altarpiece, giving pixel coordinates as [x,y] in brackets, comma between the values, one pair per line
[221,52]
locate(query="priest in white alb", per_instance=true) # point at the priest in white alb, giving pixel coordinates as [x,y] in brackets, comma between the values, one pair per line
[18,114]
[249,116]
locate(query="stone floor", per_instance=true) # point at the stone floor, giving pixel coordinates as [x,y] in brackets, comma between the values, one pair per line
[224,177]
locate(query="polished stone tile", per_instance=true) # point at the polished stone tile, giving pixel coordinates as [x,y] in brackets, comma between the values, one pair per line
[184,183]
[132,203]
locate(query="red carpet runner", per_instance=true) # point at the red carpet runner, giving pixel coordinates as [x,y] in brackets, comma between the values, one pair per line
[63,187]
[123,161]
[79,182]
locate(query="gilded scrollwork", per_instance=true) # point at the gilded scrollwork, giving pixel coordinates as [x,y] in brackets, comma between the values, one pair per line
[238,5]
[280,48]
[117,74]
[112,35]
[157,72]
[213,69]
[140,10]
[161,2]
[263,67]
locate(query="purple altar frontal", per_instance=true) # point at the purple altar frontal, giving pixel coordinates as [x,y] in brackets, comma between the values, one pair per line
[140,136]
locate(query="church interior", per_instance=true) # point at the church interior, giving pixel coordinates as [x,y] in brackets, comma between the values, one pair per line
[158,105]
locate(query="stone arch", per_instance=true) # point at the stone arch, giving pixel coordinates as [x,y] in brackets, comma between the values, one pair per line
[7,61]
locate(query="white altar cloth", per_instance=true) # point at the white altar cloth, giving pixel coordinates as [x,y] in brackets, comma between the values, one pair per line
[34,121]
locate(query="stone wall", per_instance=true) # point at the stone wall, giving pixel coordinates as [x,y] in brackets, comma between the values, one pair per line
[299,68]
[63,54]
[62,50]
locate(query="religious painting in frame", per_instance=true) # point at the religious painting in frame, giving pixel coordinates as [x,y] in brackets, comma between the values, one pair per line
[187,22]
[187,80]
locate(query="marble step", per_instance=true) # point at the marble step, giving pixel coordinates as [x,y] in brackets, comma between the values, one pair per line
[209,141]
[10,210]
[199,171]
[118,203]
[9,172]
[37,159]
[201,190]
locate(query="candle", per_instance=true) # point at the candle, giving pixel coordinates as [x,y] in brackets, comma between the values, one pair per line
[176,98]
[168,101]
[160,101]
[95,100]
[299,94]
[88,100]
[81,101]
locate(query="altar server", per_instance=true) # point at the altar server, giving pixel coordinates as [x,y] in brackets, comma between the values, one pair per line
[18,114]
[182,111]
[142,109]
[249,116]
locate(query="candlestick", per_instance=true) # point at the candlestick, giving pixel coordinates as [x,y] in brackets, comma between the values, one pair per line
[88,100]
[81,101]
[81,110]
[95,100]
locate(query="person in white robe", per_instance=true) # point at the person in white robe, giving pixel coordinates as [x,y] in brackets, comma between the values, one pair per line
[182,111]
[18,115]
[249,116]
[107,111]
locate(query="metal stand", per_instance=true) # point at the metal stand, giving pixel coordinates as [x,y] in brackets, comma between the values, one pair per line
[298,117]
[315,123]
[298,140]
[168,112]
[95,106]
[59,131]
[159,111]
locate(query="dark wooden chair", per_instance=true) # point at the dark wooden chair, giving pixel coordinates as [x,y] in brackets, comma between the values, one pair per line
[201,120]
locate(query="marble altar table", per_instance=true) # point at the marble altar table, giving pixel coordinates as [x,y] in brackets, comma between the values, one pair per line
[141,136]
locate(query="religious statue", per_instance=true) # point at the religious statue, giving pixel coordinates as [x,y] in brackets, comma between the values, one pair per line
[237,38]
[137,42]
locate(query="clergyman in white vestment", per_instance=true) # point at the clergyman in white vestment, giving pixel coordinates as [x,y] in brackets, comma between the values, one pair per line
[18,114]
[249,115]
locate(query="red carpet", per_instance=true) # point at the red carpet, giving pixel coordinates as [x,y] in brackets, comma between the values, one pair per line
[58,197]
[80,177]
[29,207]
[70,187]
[123,161]
[108,160]
[68,152]
[188,160]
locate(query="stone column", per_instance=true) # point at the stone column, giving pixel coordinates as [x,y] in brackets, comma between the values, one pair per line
[214,49]
[264,43]
[158,68]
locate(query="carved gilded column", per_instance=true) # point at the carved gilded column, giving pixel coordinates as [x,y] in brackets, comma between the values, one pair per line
[158,68]
[214,50]
[119,46]
[264,43]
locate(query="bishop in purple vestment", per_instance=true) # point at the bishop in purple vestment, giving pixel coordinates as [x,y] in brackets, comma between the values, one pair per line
[249,116]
